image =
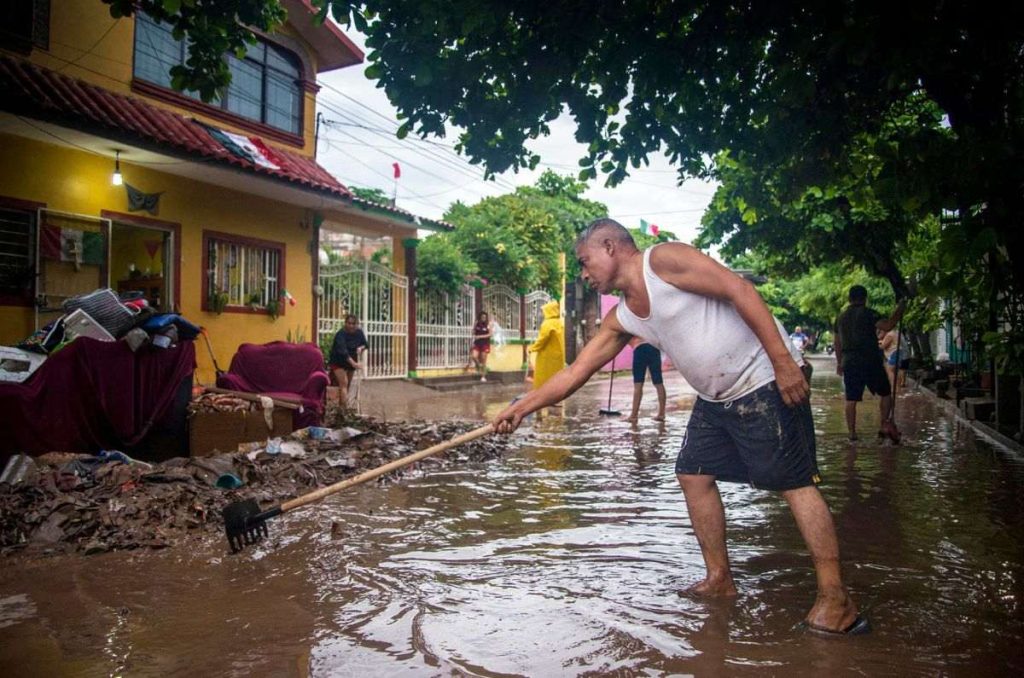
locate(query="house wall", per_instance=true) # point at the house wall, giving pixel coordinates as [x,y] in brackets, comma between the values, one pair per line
[74,181]
[88,44]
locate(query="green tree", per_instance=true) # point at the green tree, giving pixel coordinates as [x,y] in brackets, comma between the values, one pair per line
[441,265]
[862,211]
[778,85]
[372,194]
[516,238]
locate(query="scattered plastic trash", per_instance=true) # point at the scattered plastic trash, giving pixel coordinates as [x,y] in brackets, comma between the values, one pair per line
[229,481]
[312,433]
[117,455]
[293,449]
[20,468]
[334,435]
[346,461]
[254,446]
[136,338]
[276,446]
[17,365]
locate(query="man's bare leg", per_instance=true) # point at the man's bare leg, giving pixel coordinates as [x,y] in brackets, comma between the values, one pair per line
[662,398]
[884,408]
[638,394]
[708,517]
[851,418]
[833,609]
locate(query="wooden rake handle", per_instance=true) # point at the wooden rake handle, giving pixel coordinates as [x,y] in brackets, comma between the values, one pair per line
[317,495]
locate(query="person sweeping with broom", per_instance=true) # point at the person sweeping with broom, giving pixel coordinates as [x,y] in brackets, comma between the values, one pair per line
[752,421]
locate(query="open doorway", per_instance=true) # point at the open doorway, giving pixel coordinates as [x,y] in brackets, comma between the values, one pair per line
[141,262]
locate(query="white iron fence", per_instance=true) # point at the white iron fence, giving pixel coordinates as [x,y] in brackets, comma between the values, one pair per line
[378,297]
[502,305]
[444,327]
[534,315]
[444,322]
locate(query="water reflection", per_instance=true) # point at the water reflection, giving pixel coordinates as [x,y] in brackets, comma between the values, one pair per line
[566,558]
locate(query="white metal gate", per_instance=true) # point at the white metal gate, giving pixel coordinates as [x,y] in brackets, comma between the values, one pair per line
[534,315]
[444,327]
[378,297]
[502,305]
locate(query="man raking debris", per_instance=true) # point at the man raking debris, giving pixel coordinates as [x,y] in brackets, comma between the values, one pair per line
[752,421]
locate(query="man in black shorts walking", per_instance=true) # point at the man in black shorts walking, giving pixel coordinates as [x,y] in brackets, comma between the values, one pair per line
[860,362]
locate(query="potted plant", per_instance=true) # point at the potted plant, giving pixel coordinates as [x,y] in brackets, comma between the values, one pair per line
[218,300]
[274,308]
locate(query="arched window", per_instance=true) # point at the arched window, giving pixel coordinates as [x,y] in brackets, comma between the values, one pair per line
[265,85]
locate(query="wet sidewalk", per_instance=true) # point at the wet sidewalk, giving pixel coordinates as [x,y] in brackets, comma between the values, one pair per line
[566,558]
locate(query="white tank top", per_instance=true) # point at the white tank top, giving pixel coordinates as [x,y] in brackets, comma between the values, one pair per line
[707,340]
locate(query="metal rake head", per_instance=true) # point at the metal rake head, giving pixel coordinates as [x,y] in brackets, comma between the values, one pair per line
[244,524]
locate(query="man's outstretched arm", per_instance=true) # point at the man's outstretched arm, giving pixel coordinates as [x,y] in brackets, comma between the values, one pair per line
[610,339]
[887,324]
[693,271]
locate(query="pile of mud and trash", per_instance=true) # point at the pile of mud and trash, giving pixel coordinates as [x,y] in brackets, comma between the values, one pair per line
[65,502]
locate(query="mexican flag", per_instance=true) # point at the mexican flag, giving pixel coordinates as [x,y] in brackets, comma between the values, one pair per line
[648,228]
[71,244]
[252,149]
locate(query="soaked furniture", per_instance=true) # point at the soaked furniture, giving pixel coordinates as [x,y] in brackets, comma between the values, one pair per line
[100,395]
[281,370]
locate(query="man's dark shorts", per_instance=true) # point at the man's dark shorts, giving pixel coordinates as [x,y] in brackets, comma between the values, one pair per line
[646,358]
[866,372]
[756,439]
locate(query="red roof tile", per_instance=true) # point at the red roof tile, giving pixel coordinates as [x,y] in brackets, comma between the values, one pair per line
[40,93]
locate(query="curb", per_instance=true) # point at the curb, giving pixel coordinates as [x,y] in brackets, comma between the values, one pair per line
[990,434]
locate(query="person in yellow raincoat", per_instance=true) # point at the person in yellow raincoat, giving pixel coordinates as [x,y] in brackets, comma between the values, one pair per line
[550,345]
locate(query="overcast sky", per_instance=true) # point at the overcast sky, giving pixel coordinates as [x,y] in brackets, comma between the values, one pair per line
[358,146]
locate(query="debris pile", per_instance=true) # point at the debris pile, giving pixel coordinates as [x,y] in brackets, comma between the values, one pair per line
[64,502]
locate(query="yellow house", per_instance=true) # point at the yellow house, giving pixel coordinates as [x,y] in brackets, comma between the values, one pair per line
[110,178]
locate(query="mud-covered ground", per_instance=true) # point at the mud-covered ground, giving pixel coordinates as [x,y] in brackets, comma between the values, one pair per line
[79,503]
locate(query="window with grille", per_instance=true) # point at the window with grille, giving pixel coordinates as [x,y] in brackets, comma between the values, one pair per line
[265,84]
[242,273]
[26,25]
[17,255]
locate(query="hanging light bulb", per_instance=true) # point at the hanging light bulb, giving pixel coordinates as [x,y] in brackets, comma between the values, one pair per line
[117,179]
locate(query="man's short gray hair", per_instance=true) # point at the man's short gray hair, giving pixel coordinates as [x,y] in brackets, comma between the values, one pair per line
[606,228]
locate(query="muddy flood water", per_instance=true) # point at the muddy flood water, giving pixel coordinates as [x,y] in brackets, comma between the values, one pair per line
[566,559]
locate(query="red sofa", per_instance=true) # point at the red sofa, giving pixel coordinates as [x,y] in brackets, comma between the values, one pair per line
[281,370]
